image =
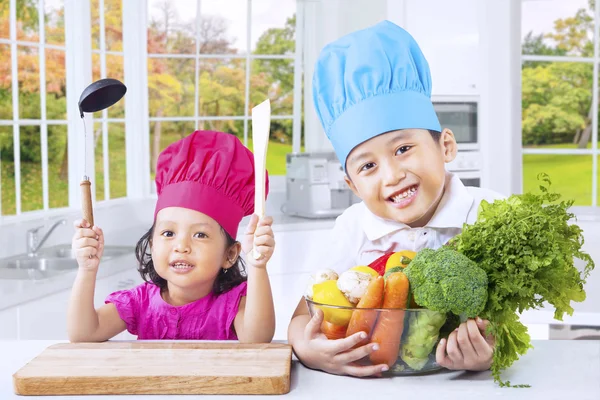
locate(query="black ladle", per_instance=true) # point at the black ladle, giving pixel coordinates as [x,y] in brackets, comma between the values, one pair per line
[97,96]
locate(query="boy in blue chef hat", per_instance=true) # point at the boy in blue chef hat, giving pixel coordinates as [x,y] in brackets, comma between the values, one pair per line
[371,90]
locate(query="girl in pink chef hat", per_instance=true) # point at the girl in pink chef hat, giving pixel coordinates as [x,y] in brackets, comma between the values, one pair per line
[196,284]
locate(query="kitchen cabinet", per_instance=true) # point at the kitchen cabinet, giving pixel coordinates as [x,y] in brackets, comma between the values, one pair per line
[46,318]
[449,39]
[9,324]
[287,290]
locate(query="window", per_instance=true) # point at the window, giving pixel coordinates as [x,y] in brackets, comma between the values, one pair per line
[560,96]
[109,124]
[33,121]
[210,62]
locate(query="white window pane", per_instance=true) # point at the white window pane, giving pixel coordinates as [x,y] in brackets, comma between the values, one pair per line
[171,26]
[556,101]
[571,175]
[58,166]
[56,86]
[6,108]
[55,21]
[7,172]
[29,82]
[31,169]
[222,87]
[272,79]
[4,19]
[273,26]
[113,24]
[171,87]
[223,27]
[557,27]
[162,134]
[117,164]
[27,20]
[280,144]
[114,70]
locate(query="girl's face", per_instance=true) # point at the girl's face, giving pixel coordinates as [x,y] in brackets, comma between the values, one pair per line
[400,175]
[189,249]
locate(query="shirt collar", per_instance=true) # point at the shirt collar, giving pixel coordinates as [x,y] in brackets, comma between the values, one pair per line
[452,212]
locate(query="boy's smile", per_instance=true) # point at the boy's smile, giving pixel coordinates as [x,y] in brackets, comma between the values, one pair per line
[400,175]
[404,197]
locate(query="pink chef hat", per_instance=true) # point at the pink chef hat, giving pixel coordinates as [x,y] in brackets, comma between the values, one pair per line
[210,172]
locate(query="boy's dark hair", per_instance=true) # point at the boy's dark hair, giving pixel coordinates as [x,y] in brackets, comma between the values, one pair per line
[225,280]
[435,135]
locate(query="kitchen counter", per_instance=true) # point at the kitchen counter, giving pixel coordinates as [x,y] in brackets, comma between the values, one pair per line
[15,292]
[554,369]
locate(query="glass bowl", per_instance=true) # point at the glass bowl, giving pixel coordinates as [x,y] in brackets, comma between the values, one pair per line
[407,338]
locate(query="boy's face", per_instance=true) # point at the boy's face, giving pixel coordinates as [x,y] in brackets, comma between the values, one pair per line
[400,175]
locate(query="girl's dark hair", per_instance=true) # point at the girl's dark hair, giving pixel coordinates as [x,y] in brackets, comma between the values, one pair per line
[225,280]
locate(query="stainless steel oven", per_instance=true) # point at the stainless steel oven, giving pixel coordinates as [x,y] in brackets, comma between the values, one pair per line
[461,118]
[459,114]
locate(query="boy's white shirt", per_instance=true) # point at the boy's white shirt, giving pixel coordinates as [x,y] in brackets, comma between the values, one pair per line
[359,237]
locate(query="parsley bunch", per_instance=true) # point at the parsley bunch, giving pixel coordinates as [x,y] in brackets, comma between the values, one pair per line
[527,247]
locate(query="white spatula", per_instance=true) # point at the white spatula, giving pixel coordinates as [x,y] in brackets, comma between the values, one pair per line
[261,123]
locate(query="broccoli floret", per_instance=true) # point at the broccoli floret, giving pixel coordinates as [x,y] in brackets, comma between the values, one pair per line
[446,281]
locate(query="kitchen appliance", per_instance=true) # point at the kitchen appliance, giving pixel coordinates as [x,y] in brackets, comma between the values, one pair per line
[315,186]
[467,166]
[157,368]
[97,96]
[459,114]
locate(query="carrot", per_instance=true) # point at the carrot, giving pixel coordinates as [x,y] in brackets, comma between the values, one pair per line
[333,331]
[389,326]
[364,320]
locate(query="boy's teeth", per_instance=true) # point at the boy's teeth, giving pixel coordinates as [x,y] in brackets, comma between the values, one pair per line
[405,194]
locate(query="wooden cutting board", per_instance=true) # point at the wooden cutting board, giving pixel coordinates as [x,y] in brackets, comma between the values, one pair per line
[157,368]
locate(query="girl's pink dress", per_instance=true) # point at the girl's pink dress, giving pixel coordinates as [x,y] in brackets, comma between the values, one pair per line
[148,316]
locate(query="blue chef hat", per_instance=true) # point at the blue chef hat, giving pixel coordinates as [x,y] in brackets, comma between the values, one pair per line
[370,82]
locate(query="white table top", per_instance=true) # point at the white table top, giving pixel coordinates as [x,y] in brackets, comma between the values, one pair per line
[554,369]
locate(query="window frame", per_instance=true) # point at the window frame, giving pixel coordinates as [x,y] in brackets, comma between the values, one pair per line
[595,61]
[277,182]
[16,122]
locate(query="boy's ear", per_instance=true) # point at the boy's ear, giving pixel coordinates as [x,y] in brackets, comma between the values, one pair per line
[448,145]
[351,185]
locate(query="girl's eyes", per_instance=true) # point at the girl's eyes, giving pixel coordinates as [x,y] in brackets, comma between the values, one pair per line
[402,149]
[198,235]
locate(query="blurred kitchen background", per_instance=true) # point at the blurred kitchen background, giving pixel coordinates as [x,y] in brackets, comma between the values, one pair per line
[517,82]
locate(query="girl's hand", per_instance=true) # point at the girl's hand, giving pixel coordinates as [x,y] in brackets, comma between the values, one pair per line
[87,245]
[335,356]
[467,348]
[259,236]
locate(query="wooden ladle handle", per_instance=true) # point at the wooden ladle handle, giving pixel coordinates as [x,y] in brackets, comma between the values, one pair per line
[86,201]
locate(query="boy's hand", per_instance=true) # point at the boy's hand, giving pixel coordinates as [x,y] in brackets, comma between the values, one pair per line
[259,236]
[87,245]
[336,356]
[467,348]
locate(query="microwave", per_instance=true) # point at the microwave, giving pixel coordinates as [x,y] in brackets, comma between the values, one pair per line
[461,118]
